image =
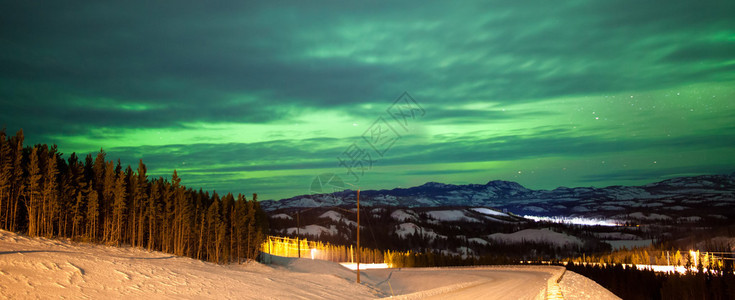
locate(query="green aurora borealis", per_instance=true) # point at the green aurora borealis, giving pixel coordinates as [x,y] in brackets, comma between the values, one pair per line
[263,96]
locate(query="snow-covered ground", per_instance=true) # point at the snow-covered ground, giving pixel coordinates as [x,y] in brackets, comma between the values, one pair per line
[485,282]
[53,269]
[337,217]
[50,269]
[407,229]
[575,286]
[401,215]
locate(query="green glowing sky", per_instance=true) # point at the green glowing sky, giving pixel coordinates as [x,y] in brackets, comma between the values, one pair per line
[261,97]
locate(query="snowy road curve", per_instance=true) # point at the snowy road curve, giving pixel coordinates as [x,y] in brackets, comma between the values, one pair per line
[465,283]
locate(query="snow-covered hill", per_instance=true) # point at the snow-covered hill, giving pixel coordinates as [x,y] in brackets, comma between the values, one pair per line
[33,268]
[452,219]
[697,196]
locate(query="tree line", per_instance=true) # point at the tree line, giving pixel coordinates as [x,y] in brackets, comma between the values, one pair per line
[289,247]
[631,283]
[96,200]
[380,232]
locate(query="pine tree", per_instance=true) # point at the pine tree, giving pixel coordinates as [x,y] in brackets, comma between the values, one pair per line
[88,167]
[73,183]
[251,234]
[140,201]
[99,169]
[5,179]
[50,193]
[18,181]
[169,211]
[214,220]
[119,207]
[180,212]
[107,193]
[92,212]
[152,212]
[227,208]
[34,192]
[131,180]
[78,214]
[238,224]
[202,225]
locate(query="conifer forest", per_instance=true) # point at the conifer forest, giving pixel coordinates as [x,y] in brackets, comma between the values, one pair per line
[96,199]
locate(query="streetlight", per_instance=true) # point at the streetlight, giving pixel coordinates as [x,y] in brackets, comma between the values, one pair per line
[358,235]
[358,232]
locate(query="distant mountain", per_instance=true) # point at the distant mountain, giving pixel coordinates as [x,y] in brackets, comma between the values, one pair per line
[500,217]
[710,192]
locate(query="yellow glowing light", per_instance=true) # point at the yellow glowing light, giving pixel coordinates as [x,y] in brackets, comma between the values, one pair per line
[695,257]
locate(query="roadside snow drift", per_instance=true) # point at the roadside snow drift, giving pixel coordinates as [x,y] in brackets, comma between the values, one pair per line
[43,268]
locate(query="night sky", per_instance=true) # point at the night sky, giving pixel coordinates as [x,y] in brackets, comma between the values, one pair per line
[261,97]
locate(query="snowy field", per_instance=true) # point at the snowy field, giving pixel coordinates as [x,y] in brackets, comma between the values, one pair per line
[53,269]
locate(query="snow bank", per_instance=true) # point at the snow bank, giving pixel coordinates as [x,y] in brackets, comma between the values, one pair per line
[575,286]
[42,268]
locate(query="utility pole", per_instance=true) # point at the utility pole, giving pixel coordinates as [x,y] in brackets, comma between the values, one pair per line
[358,235]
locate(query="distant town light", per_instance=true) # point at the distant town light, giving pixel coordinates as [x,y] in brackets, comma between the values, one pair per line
[575,221]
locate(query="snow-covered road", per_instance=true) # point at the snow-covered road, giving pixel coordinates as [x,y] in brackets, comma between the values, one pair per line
[501,282]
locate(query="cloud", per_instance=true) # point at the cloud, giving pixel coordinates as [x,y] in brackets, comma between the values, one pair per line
[650,175]
[110,73]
